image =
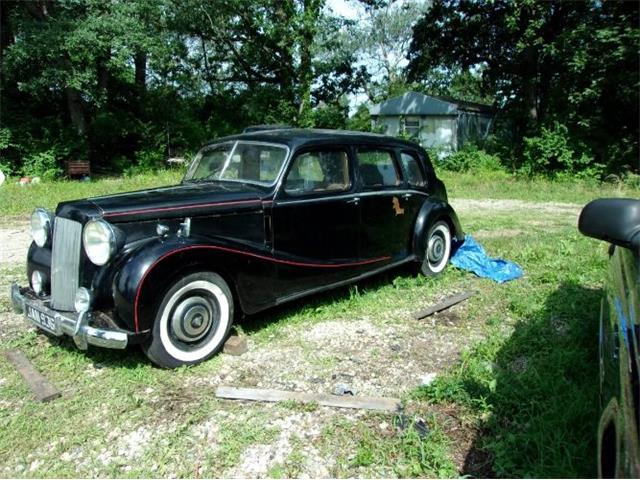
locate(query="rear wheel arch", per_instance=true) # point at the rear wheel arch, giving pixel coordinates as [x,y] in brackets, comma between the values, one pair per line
[430,214]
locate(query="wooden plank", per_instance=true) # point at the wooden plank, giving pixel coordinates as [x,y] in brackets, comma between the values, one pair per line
[383,404]
[43,390]
[443,305]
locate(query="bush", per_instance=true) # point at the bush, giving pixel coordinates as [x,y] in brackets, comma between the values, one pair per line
[5,142]
[550,153]
[145,161]
[43,164]
[469,159]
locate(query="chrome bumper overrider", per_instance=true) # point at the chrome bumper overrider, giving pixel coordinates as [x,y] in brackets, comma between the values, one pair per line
[68,323]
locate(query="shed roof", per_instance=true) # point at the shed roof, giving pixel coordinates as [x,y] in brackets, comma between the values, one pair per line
[415,103]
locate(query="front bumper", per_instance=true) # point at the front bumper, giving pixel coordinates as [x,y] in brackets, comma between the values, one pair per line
[78,326]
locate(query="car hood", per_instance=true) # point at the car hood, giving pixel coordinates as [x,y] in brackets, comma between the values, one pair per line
[167,202]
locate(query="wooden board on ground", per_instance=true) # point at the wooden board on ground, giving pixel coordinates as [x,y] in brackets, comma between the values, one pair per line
[43,390]
[443,305]
[383,404]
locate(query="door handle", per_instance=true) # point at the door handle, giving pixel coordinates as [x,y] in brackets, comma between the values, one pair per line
[354,201]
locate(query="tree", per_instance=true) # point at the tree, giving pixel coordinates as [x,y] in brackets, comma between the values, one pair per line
[382,37]
[545,62]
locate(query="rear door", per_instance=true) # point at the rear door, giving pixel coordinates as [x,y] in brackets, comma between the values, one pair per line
[386,218]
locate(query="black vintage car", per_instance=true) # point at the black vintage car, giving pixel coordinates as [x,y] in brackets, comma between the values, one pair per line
[618,221]
[259,219]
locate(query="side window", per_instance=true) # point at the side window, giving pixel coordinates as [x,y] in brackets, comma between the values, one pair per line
[318,171]
[377,168]
[412,171]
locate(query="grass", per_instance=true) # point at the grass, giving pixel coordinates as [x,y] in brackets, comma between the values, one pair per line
[397,449]
[526,394]
[19,201]
[533,383]
[499,185]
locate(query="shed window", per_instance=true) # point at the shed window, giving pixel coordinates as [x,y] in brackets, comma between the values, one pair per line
[412,126]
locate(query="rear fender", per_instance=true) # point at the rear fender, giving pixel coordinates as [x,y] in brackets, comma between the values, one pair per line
[431,212]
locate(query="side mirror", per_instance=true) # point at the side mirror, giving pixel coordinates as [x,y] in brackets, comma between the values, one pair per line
[615,220]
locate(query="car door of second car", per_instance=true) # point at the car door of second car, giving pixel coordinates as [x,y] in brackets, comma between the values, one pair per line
[316,222]
[386,213]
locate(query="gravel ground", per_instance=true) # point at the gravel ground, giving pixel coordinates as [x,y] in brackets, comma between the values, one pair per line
[14,243]
[372,356]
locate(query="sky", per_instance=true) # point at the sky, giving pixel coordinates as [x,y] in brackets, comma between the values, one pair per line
[346,9]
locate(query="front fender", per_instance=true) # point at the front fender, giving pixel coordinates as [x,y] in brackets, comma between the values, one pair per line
[432,211]
[147,272]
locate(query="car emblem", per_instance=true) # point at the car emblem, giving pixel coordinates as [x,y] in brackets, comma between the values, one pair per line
[396,206]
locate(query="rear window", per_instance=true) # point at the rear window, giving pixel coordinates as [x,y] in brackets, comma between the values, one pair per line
[412,171]
[377,168]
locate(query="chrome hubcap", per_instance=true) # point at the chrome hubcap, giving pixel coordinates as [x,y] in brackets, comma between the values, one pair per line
[192,319]
[436,248]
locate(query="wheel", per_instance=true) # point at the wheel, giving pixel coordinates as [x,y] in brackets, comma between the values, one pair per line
[438,249]
[192,321]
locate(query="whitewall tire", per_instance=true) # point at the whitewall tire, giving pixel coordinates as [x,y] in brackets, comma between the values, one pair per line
[192,321]
[438,249]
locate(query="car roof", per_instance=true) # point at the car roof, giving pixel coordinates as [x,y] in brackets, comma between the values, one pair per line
[299,137]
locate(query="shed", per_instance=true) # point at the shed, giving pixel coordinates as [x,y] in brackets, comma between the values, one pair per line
[434,122]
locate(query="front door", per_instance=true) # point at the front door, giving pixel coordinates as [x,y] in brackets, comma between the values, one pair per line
[316,221]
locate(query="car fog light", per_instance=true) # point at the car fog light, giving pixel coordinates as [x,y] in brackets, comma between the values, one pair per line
[38,281]
[83,300]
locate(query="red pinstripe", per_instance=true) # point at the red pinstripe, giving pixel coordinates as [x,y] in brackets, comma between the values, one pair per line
[183,207]
[249,254]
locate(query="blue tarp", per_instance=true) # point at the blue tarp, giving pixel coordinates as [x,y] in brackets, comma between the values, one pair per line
[471,256]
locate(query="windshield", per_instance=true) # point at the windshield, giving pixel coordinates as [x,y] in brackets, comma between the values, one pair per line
[240,161]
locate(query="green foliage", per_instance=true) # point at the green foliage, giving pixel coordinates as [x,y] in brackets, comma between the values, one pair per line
[550,153]
[361,120]
[124,83]
[575,63]
[468,159]
[5,138]
[5,142]
[43,165]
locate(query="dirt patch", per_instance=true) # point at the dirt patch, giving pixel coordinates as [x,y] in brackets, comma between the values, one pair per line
[490,206]
[14,244]
[371,359]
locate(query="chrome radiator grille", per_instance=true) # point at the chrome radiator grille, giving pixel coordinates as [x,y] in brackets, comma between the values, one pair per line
[65,263]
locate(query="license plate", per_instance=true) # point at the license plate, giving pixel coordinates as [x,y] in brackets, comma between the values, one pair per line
[43,320]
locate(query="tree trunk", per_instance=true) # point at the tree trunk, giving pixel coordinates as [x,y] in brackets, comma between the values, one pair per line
[102,74]
[6,37]
[76,110]
[305,74]
[141,70]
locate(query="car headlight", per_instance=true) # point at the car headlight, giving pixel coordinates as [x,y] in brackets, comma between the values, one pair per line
[40,226]
[99,241]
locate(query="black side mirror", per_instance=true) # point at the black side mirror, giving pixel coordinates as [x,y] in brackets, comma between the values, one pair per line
[615,220]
